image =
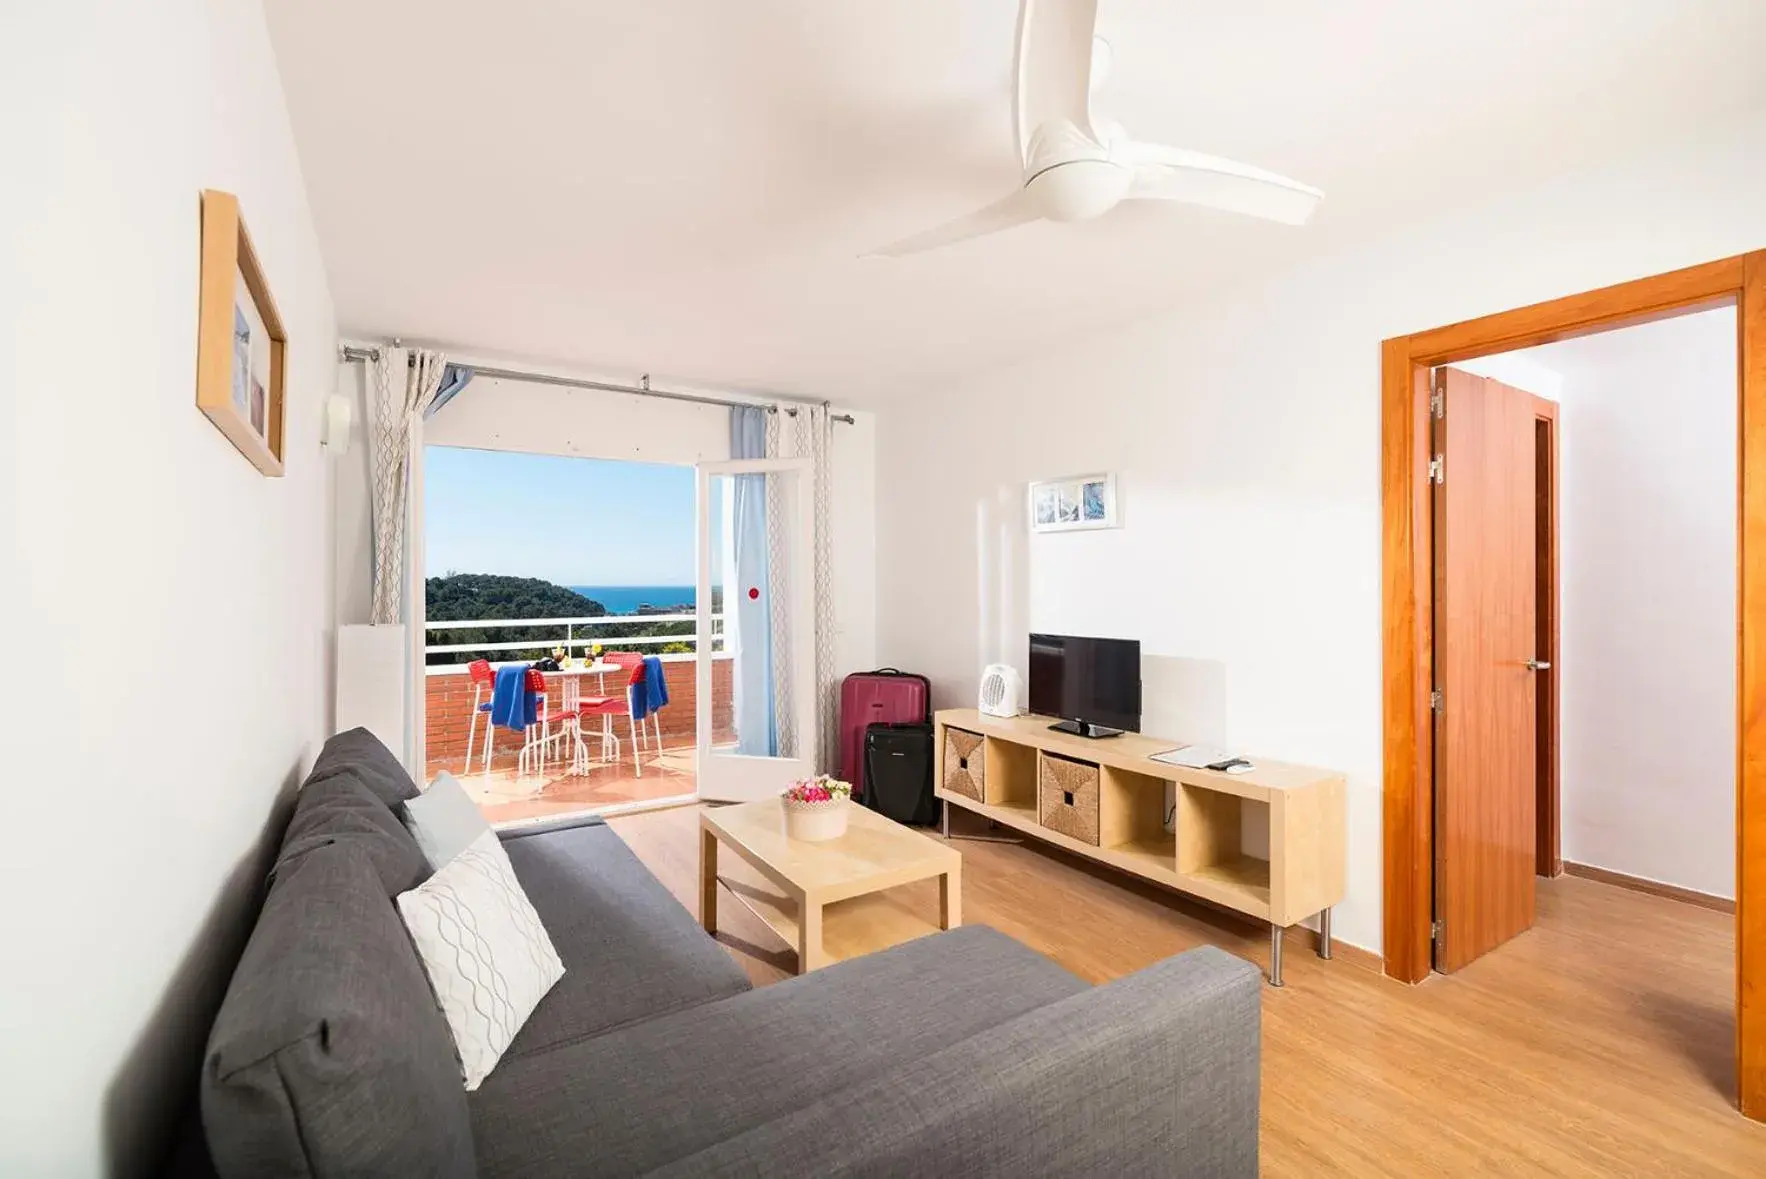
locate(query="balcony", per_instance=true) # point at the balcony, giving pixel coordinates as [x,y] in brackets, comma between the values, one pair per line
[504,793]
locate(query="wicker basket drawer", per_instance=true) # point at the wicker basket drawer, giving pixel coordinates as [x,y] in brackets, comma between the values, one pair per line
[965,771]
[1067,797]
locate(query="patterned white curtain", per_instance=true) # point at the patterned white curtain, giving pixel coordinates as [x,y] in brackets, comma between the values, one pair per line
[778,592]
[402,384]
[807,432]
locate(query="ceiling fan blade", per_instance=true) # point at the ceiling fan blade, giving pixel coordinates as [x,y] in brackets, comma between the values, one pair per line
[1054,66]
[1174,174]
[1013,210]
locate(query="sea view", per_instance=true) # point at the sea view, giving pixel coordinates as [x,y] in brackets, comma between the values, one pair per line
[625,599]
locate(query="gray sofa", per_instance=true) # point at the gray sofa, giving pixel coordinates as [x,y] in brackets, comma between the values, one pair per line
[960,1054]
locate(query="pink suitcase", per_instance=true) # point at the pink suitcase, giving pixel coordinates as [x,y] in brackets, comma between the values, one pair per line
[885,696]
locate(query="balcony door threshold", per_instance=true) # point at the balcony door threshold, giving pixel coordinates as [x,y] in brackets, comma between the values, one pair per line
[604,812]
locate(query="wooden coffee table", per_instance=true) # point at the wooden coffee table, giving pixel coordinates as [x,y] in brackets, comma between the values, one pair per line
[827,899]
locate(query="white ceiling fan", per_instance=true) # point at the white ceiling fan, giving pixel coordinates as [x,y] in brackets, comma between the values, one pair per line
[1076,169]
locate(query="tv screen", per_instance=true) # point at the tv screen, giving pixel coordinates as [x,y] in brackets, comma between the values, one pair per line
[1094,682]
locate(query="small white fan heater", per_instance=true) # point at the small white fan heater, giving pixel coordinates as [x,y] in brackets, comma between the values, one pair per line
[1002,691]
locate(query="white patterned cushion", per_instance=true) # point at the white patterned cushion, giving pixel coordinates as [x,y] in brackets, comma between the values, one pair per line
[488,958]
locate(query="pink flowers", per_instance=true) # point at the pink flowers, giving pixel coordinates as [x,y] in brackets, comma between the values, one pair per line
[822,788]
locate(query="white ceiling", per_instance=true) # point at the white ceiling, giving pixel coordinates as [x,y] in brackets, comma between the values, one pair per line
[684,187]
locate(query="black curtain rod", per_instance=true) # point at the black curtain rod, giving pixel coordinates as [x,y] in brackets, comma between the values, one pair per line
[353,355]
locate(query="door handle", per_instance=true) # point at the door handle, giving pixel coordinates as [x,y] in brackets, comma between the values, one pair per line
[1538,665]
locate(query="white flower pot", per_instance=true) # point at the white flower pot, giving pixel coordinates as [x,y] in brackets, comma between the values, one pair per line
[815,821]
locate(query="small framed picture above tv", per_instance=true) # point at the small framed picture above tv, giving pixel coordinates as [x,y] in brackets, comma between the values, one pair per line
[1074,503]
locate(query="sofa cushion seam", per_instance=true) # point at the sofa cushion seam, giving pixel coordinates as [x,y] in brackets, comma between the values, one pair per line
[647,1017]
[306,1155]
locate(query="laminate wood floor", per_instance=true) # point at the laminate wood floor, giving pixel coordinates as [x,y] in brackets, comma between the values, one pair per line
[1601,1042]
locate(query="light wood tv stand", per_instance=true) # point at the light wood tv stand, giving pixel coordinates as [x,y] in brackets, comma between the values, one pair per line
[1303,875]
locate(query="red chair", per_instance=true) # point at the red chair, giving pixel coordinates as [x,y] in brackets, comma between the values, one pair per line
[573,713]
[608,707]
[484,679]
[652,724]
[536,684]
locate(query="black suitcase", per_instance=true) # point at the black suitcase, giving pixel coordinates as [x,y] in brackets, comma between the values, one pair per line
[898,773]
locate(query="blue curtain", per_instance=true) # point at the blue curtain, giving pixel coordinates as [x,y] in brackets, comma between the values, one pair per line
[757,726]
[455,377]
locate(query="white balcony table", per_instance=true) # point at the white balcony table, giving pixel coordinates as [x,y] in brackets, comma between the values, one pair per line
[598,668]
[581,761]
[569,681]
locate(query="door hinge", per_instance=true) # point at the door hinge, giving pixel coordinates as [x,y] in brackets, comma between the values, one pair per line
[1436,929]
[1438,403]
[1438,700]
[1438,469]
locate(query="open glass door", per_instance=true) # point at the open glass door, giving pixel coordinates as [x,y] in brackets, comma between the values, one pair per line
[755,688]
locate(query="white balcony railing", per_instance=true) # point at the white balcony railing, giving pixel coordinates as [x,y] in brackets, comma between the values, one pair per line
[576,634]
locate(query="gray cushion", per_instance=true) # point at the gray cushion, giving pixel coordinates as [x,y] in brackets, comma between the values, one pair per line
[443,820]
[644,1095]
[329,1055]
[1155,1074]
[360,753]
[630,950]
[547,826]
[340,809]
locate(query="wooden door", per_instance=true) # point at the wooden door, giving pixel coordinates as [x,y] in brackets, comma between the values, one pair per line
[1485,632]
[1547,856]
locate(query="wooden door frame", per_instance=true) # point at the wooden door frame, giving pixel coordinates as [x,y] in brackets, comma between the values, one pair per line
[1406,575]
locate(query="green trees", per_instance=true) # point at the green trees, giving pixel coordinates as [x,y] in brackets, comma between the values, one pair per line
[460,597]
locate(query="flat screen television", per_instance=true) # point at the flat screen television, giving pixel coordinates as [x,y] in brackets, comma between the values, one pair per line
[1092,685]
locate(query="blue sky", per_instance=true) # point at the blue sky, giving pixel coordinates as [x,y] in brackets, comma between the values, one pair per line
[572,521]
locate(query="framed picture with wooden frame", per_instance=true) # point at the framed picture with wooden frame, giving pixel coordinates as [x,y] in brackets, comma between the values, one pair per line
[241,347]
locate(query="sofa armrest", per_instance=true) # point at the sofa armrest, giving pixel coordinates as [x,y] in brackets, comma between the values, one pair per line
[1154,1074]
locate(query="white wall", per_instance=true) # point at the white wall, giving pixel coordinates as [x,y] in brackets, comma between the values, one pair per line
[501,414]
[1245,428]
[168,607]
[1529,369]
[1647,519]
